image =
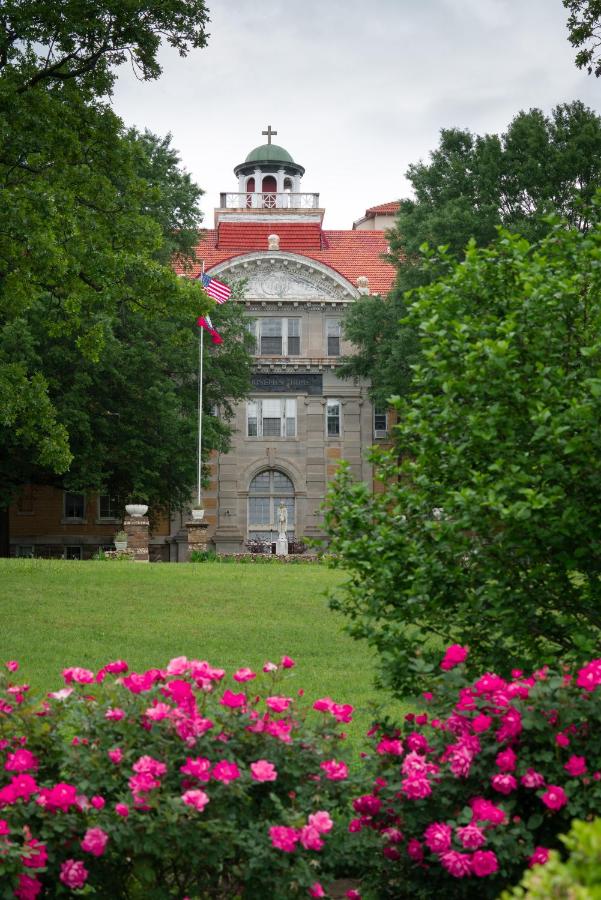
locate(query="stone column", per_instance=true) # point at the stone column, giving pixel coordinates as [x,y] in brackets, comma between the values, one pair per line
[137,536]
[257,199]
[197,536]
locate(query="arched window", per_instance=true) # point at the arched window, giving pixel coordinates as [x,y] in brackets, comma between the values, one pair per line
[265,493]
[269,189]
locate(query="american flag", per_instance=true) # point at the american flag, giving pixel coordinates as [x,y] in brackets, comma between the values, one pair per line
[219,291]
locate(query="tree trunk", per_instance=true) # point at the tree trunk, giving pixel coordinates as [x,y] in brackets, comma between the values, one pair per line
[4,532]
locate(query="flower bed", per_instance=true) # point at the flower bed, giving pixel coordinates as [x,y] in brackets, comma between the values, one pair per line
[464,796]
[169,783]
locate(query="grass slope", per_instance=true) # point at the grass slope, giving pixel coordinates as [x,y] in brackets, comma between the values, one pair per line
[56,613]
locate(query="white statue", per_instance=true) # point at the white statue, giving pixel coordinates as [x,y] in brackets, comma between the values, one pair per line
[281,547]
[282,519]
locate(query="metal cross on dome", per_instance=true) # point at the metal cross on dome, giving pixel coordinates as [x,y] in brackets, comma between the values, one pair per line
[269,133]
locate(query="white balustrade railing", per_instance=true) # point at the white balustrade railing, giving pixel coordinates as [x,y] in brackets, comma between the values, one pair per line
[269,200]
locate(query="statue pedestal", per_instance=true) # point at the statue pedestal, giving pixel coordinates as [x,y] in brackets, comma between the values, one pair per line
[281,547]
[197,536]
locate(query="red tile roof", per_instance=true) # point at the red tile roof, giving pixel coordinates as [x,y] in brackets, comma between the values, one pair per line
[384,209]
[350,253]
[253,235]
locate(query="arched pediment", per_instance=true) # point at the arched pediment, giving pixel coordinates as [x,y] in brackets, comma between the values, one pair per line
[280,275]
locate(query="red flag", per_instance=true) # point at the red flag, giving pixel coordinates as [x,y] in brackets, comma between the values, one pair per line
[205,322]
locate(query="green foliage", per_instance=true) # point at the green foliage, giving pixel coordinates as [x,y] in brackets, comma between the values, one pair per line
[98,346]
[578,878]
[487,531]
[471,185]
[584,32]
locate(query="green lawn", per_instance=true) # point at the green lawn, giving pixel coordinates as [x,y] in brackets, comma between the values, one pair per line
[55,614]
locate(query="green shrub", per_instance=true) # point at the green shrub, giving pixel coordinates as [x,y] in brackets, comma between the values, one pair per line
[578,878]
[488,529]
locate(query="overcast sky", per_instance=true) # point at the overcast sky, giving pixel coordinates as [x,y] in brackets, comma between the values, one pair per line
[356,90]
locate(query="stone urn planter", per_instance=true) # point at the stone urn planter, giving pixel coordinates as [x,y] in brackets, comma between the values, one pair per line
[197,514]
[136,509]
[120,540]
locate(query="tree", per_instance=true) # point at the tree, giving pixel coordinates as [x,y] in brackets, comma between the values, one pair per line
[487,530]
[97,332]
[584,27]
[472,185]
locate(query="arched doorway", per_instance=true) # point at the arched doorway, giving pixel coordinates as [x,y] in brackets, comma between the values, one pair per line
[265,492]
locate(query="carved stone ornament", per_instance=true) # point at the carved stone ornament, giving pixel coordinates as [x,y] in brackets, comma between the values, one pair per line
[273,242]
[287,276]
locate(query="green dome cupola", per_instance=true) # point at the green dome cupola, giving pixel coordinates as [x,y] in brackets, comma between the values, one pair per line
[269,168]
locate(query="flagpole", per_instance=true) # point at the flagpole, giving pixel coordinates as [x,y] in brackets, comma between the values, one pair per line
[200,361]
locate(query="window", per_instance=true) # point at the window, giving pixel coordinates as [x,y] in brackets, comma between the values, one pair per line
[380,422]
[72,553]
[265,493]
[25,551]
[333,332]
[333,418]
[271,418]
[107,507]
[277,337]
[75,505]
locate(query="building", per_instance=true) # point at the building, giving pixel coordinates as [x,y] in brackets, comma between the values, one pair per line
[300,419]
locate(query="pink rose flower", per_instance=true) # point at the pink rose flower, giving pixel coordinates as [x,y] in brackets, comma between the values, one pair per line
[489,683]
[310,838]
[243,675]
[322,821]
[457,864]
[28,888]
[367,805]
[263,770]
[389,745]
[485,811]
[539,857]
[122,809]
[278,704]
[481,723]
[416,787]
[225,771]
[589,677]
[415,851]
[437,837]
[269,667]
[283,838]
[575,766]
[98,802]
[150,766]
[554,797]
[287,663]
[504,784]
[532,779]
[200,768]
[335,771]
[506,760]
[115,755]
[73,874]
[12,665]
[484,862]
[471,836]
[233,701]
[21,761]
[562,740]
[79,676]
[95,841]
[196,798]
[114,714]
[316,890]
[353,895]
[454,656]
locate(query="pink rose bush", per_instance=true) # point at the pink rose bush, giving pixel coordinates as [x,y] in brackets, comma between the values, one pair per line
[461,798]
[186,781]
